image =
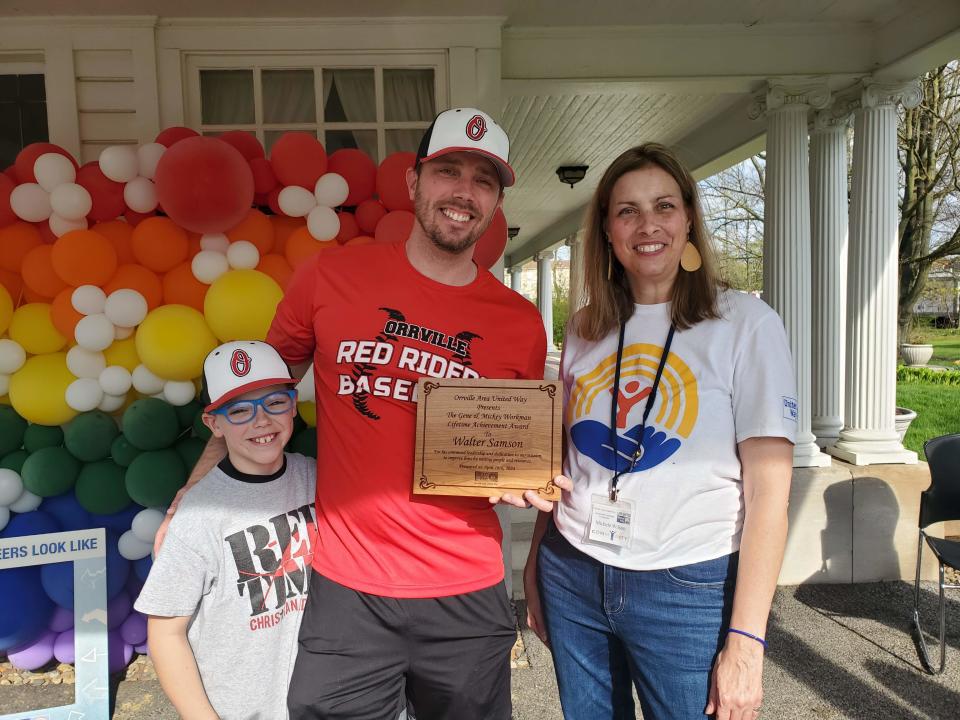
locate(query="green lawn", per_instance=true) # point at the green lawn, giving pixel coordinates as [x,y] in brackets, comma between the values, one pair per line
[937,408]
[946,345]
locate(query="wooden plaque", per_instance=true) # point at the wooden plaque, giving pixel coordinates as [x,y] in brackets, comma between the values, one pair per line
[488,437]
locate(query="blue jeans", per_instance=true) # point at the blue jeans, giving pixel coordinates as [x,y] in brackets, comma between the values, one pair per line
[659,630]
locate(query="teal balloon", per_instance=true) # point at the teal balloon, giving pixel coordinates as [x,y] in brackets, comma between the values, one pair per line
[151,424]
[12,428]
[154,477]
[122,451]
[14,461]
[89,435]
[38,437]
[50,471]
[101,488]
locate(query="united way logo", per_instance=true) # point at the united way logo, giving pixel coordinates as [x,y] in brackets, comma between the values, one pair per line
[672,417]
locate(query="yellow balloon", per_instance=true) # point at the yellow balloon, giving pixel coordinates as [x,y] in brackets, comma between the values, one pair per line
[123,353]
[6,309]
[240,305]
[38,390]
[172,342]
[32,327]
[308,411]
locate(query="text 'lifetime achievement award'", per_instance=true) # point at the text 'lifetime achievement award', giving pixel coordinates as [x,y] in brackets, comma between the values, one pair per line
[488,437]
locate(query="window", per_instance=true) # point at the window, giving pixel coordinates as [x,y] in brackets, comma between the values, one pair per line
[23,114]
[380,106]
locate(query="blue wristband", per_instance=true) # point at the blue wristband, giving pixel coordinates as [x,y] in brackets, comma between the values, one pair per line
[749,635]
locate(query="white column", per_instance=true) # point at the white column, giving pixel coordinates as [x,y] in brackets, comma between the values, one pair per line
[575,243]
[545,293]
[871,364]
[786,240]
[828,215]
[516,277]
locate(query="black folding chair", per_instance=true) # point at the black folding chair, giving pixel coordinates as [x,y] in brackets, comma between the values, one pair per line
[939,502]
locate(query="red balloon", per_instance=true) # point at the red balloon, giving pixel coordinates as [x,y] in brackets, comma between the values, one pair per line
[263,178]
[392,181]
[11,172]
[46,234]
[28,156]
[134,218]
[298,158]
[244,141]
[395,226]
[273,203]
[348,227]
[491,244]
[368,214]
[106,194]
[7,216]
[175,134]
[358,170]
[204,185]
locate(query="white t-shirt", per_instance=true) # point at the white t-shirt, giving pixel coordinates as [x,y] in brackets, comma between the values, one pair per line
[724,381]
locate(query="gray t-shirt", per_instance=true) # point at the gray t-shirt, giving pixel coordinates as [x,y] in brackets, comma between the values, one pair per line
[237,559]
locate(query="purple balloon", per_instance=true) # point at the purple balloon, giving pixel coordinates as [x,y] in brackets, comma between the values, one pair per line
[118,609]
[64,649]
[134,629]
[142,649]
[119,653]
[62,620]
[35,655]
[134,586]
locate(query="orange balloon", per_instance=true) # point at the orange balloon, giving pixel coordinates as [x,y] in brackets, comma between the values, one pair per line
[15,242]
[14,285]
[302,245]
[360,240]
[31,296]
[283,227]
[277,267]
[256,228]
[159,244]
[120,233]
[38,273]
[139,278]
[62,313]
[83,257]
[180,287]
[193,240]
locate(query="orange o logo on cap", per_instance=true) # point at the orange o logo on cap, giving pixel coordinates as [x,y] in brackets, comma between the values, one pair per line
[240,363]
[476,128]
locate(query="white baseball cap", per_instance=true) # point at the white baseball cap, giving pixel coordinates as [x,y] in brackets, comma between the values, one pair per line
[468,130]
[235,368]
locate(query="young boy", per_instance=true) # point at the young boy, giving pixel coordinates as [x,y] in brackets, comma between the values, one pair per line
[226,593]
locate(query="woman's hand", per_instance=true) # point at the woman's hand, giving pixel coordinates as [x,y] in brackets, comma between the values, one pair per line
[736,684]
[531,592]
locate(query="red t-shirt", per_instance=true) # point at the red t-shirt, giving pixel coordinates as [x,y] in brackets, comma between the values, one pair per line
[373,325]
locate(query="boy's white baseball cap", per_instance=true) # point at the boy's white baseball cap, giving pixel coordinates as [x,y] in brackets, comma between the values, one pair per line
[468,130]
[237,367]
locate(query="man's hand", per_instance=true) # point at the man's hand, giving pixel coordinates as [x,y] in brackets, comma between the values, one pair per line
[532,498]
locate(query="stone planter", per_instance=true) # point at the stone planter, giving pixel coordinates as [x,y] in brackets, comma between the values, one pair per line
[916,355]
[902,420]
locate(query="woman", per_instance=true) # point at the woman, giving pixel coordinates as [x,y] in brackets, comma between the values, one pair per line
[659,567]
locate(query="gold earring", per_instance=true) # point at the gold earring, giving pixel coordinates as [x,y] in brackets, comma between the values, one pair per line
[609,264]
[690,259]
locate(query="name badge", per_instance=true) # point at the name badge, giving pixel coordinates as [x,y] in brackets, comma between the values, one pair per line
[610,522]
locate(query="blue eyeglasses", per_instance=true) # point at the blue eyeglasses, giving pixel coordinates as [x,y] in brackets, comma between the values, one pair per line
[244,411]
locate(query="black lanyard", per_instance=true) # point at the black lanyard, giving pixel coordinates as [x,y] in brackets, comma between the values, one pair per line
[638,453]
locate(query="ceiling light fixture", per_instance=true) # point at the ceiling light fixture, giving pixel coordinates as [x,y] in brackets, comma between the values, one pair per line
[571,174]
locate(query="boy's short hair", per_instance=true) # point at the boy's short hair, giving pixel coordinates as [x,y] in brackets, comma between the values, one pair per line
[237,367]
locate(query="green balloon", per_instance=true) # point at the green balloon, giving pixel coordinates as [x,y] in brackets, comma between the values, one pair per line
[151,424]
[199,429]
[14,461]
[122,451]
[298,423]
[304,442]
[12,428]
[38,437]
[190,449]
[89,436]
[186,413]
[101,487]
[154,477]
[50,471]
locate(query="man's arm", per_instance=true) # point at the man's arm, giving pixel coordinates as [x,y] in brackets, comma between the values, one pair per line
[177,667]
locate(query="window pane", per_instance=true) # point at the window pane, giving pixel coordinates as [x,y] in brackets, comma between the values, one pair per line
[408,95]
[226,97]
[403,140]
[8,88]
[10,143]
[349,96]
[271,136]
[32,88]
[34,118]
[365,140]
[288,96]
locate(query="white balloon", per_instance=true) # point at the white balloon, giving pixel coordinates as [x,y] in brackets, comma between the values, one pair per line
[133,548]
[331,190]
[27,502]
[125,307]
[146,523]
[179,392]
[61,226]
[4,384]
[122,333]
[145,382]
[215,241]
[88,300]
[94,332]
[4,517]
[53,169]
[296,201]
[119,163]
[12,356]
[243,255]
[30,202]
[115,380]
[208,265]
[84,394]
[85,363]
[306,391]
[111,403]
[11,486]
[323,223]
[71,201]
[148,156]
[140,195]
